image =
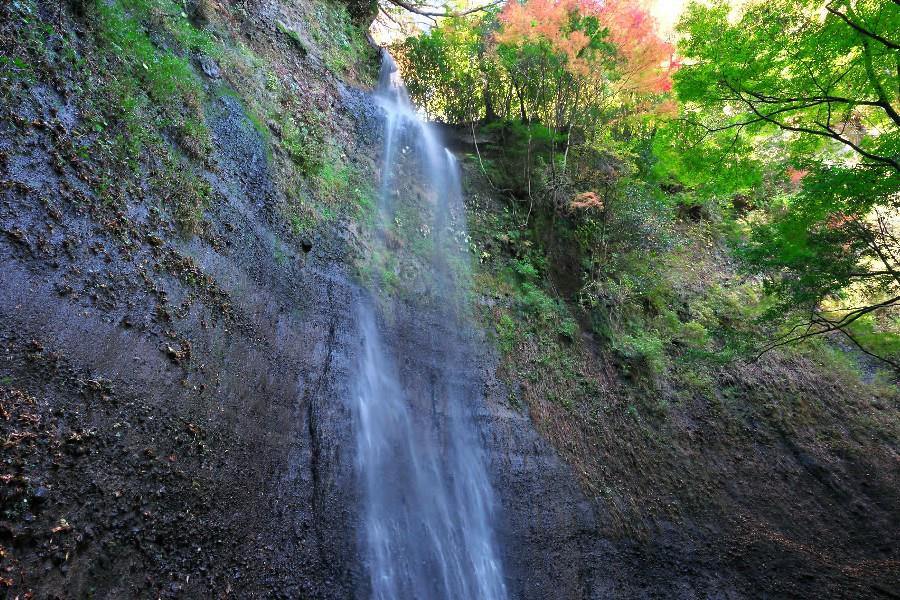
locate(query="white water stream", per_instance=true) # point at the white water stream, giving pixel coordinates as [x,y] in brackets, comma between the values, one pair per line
[428,504]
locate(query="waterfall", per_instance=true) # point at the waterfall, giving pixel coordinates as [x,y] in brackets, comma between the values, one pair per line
[428,503]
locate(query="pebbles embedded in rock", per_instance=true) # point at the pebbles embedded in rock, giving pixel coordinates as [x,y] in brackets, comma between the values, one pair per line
[210,68]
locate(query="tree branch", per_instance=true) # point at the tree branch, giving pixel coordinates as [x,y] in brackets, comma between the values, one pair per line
[825,131]
[859,28]
[765,99]
[447,13]
[884,102]
[872,274]
[825,325]
[869,353]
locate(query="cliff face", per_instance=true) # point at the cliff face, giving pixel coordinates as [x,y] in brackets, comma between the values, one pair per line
[180,272]
[173,409]
[175,399]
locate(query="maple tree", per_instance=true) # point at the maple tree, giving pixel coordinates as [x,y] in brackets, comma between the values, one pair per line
[647,61]
[805,94]
[552,74]
[551,61]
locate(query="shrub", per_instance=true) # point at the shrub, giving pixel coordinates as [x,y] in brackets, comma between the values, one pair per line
[645,347]
[304,141]
[507,333]
[694,335]
[526,269]
[568,328]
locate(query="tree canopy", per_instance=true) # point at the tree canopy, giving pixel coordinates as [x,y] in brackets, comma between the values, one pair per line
[788,110]
[554,61]
[802,94]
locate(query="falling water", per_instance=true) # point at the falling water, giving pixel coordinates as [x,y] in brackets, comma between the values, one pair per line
[428,502]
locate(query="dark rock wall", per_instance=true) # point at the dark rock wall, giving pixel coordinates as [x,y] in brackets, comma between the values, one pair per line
[227,463]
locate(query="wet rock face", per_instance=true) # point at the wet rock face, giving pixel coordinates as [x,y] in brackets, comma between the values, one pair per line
[179,442]
[207,453]
[176,420]
[520,463]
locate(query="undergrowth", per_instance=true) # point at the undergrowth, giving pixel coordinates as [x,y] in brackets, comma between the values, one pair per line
[345,49]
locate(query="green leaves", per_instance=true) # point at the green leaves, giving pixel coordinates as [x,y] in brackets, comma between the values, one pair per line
[444,69]
[710,165]
[799,100]
[794,67]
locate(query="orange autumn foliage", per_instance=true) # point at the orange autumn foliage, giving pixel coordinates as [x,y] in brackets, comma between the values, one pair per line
[648,60]
[586,200]
[645,60]
[796,175]
[548,21]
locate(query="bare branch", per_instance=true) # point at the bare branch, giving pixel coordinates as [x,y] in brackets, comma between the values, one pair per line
[894,364]
[447,13]
[818,324]
[861,29]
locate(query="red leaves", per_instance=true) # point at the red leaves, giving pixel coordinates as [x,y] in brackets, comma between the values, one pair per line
[589,200]
[796,175]
[548,21]
[645,60]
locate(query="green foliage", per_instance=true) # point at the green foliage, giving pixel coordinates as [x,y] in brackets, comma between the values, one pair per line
[537,303]
[345,49]
[390,281]
[337,191]
[142,90]
[878,334]
[444,67]
[15,68]
[170,16]
[644,346]
[797,105]
[568,328]
[694,335]
[195,138]
[163,74]
[714,167]
[364,198]
[272,83]
[622,248]
[304,140]
[334,179]
[529,152]
[526,269]
[301,221]
[507,334]
[827,235]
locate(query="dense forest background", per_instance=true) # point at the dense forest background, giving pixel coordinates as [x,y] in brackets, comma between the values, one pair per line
[775,125]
